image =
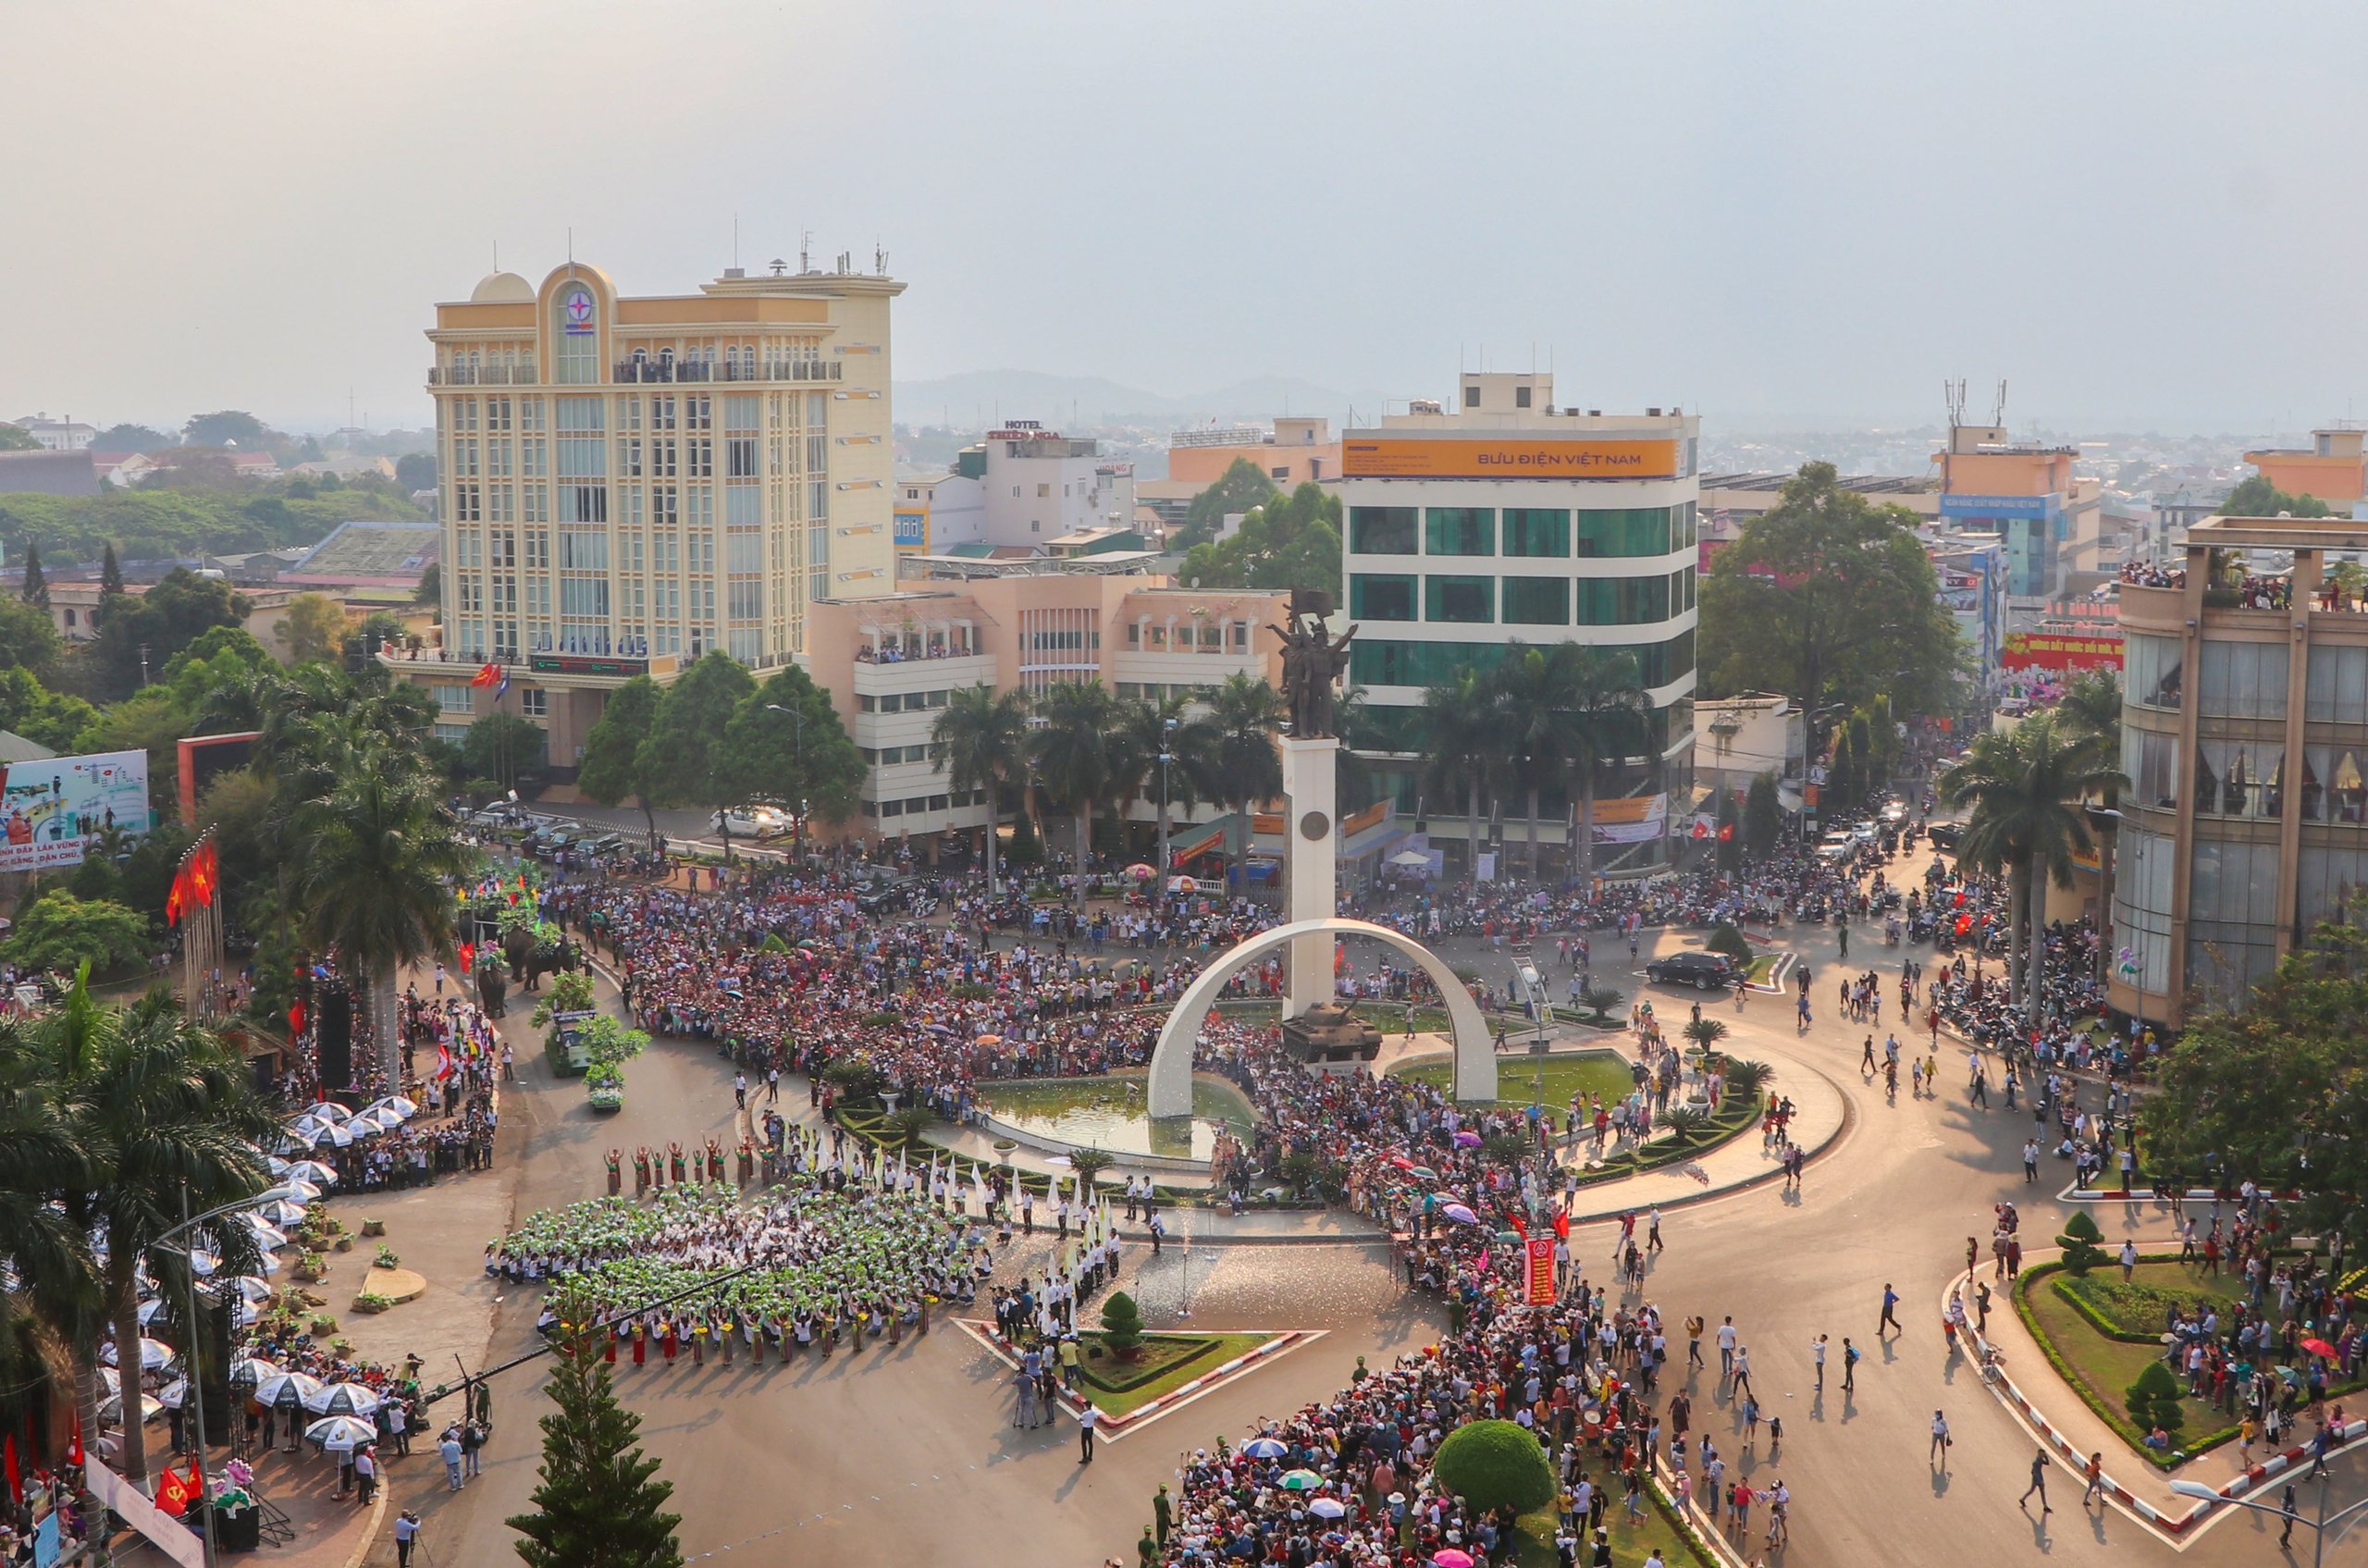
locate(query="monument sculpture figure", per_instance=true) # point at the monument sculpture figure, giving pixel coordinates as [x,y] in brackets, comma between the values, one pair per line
[1311,663]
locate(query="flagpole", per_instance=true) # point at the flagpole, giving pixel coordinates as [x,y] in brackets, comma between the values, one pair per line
[194,1392]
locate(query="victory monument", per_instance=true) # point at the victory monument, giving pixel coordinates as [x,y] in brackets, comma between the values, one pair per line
[1313,662]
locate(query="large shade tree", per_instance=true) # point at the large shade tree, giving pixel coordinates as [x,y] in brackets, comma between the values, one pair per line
[1828,596]
[686,756]
[614,767]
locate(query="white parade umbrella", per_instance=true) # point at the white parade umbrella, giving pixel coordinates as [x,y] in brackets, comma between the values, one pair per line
[278,1214]
[343,1430]
[1327,1508]
[1411,858]
[203,1263]
[270,1388]
[300,1138]
[173,1395]
[149,1309]
[253,1289]
[395,1104]
[336,1132]
[345,1399]
[253,1369]
[369,1122]
[326,1110]
[313,1171]
[154,1354]
[301,1191]
[277,1167]
[264,1265]
[270,1236]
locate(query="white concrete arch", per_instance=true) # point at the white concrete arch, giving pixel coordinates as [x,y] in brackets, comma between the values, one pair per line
[1171,1059]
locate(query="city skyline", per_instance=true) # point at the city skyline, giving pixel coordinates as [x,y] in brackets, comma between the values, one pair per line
[1732,241]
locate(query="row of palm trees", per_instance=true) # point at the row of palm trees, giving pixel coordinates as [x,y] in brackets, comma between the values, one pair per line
[1080,748]
[2028,791]
[116,1123]
[1543,717]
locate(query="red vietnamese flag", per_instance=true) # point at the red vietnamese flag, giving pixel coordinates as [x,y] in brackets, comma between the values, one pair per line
[16,1477]
[176,896]
[1726,833]
[174,1494]
[296,1019]
[74,1446]
[468,955]
[488,674]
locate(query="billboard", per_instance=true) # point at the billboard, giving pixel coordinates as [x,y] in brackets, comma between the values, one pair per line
[50,810]
[2067,652]
[1635,819]
[2028,507]
[1507,457]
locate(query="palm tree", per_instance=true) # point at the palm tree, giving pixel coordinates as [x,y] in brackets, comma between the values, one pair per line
[1245,714]
[55,1293]
[2027,791]
[2091,707]
[1072,750]
[1463,722]
[981,739]
[1608,712]
[378,852]
[1147,730]
[1533,687]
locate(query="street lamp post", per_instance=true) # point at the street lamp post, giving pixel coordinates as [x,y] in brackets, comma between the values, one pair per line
[1166,756]
[192,1386]
[2318,1526]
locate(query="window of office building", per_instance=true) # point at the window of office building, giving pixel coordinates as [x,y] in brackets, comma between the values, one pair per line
[1535,601]
[2240,778]
[1379,596]
[1636,530]
[1460,598]
[1377,663]
[2150,763]
[2336,688]
[1623,601]
[2333,787]
[2328,881]
[2233,921]
[1459,530]
[2241,680]
[1383,530]
[575,336]
[2151,672]
[2143,869]
[1537,531]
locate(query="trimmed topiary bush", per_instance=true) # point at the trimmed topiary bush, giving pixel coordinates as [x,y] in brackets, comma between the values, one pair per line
[1725,938]
[1495,1465]
[2153,1400]
[2079,1241]
[1122,1326]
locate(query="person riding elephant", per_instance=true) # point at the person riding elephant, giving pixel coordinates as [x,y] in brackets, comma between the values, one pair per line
[491,985]
[517,948]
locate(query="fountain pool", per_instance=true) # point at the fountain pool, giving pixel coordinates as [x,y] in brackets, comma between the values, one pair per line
[1108,1113]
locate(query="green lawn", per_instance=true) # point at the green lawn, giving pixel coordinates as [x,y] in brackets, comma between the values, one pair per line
[1217,1349]
[1630,1539]
[1604,1073]
[2105,1366]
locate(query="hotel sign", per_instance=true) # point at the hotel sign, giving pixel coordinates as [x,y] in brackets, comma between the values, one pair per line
[597,664]
[1511,457]
[2035,508]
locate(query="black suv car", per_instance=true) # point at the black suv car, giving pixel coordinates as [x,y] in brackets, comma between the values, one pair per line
[1711,972]
[1944,835]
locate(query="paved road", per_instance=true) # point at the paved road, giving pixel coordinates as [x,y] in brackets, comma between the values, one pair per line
[905,1456]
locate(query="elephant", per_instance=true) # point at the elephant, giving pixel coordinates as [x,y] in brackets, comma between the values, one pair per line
[550,959]
[491,986]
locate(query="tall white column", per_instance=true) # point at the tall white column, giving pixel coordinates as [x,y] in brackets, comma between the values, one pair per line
[1313,836]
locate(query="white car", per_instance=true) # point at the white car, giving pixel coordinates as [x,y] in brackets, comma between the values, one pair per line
[750,821]
[1835,845]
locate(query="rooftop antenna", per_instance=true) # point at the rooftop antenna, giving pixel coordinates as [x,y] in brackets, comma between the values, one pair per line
[1998,413]
[735,241]
[879,259]
[805,248]
[779,267]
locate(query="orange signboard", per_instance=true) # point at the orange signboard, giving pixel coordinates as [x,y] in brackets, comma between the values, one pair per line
[2068,652]
[1507,457]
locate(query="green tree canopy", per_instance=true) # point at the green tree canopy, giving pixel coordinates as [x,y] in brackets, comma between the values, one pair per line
[28,637]
[44,717]
[611,767]
[979,738]
[416,471]
[61,932]
[154,524]
[2256,496]
[222,428]
[159,623]
[313,628]
[1288,542]
[501,745]
[686,756]
[802,757]
[1243,487]
[35,589]
[1495,1465]
[1763,817]
[1827,595]
[600,1503]
[130,437]
[1072,752]
[16,437]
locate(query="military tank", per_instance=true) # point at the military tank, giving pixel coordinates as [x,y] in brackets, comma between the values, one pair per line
[1330,1032]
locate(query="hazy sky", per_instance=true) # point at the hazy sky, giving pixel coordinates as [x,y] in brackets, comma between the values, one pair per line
[1770,210]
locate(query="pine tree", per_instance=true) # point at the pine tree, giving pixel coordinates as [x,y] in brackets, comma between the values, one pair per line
[601,1504]
[110,572]
[36,583]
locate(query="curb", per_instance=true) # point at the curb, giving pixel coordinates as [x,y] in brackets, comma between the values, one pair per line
[1115,1426]
[370,1527]
[2350,1435]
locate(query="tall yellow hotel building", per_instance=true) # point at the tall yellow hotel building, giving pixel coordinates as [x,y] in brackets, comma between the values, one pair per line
[628,482]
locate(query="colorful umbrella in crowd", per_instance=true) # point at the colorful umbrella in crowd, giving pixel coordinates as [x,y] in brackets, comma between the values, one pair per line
[1467,1140]
[1265,1448]
[1452,1558]
[1300,1481]
[2319,1347]
[1424,1173]
[1139,872]
[342,1431]
[154,1354]
[1458,1214]
[344,1399]
[1327,1508]
[270,1390]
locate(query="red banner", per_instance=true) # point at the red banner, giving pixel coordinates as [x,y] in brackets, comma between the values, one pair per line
[2067,652]
[1541,1291]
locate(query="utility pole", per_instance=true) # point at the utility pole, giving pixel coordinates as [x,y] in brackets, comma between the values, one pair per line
[1166,756]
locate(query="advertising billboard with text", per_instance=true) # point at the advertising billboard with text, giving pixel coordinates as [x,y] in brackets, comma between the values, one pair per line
[50,811]
[1507,457]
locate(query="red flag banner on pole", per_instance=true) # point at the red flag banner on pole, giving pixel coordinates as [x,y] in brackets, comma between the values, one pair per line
[1540,1273]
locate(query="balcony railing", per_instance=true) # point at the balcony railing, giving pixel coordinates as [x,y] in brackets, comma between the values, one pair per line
[659,371]
[482,375]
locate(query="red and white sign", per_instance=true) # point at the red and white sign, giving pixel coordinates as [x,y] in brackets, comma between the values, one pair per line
[1539,1276]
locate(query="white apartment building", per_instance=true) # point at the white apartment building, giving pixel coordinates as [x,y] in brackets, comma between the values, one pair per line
[1507,518]
[1024,487]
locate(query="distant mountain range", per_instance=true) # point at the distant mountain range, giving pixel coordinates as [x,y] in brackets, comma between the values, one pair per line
[978,398]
